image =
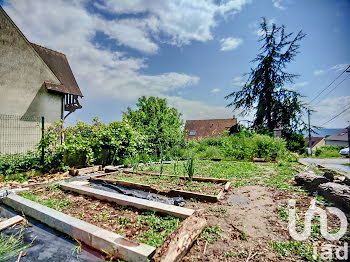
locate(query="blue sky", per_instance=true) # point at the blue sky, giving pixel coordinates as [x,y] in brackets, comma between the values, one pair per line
[192,53]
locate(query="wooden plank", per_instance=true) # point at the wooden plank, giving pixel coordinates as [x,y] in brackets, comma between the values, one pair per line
[10,222]
[88,170]
[189,194]
[202,179]
[93,236]
[220,195]
[180,241]
[227,186]
[128,200]
[128,184]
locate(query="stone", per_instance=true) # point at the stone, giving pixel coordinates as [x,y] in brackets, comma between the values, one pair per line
[310,180]
[336,193]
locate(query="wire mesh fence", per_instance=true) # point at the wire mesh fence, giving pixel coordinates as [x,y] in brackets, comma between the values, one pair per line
[19,134]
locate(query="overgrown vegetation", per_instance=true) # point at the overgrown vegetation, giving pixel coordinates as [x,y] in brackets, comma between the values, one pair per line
[328,151]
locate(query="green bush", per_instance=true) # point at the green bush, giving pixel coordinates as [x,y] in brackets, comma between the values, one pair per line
[18,163]
[241,146]
[328,151]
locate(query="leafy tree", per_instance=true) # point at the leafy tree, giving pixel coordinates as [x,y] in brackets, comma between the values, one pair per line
[159,123]
[264,90]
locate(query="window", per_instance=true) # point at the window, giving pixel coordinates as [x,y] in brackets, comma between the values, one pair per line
[192,133]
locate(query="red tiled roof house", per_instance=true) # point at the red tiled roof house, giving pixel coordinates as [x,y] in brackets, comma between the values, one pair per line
[196,129]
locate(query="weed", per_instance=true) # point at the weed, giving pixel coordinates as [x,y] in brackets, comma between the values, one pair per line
[189,168]
[220,210]
[243,235]
[294,248]
[211,234]
[241,254]
[283,213]
[77,249]
[12,245]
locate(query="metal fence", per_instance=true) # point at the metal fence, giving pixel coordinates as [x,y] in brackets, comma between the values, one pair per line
[19,134]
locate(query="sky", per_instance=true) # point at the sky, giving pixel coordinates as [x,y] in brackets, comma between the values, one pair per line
[192,53]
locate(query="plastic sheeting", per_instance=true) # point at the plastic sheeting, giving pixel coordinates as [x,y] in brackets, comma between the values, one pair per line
[100,184]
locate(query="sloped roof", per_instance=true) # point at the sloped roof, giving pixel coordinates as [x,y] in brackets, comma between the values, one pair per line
[314,140]
[341,135]
[209,127]
[59,65]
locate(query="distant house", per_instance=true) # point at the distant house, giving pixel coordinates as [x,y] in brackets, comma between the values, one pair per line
[316,142]
[338,139]
[34,80]
[211,127]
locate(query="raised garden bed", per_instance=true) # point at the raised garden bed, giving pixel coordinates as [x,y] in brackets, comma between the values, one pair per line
[206,189]
[119,227]
[142,226]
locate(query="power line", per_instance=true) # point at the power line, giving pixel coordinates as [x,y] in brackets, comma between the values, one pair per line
[337,85]
[329,85]
[334,117]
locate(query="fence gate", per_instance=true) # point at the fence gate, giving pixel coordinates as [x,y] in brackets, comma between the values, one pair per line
[19,134]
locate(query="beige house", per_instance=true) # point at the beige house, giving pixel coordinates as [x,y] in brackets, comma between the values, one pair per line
[35,82]
[316,142]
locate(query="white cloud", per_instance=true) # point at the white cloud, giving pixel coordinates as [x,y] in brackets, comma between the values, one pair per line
[180,21]
[215,90]
[339,67]
[68,27]
[278,4]
[330,107]
[99,71]
[198,110]
[297,85]
[230,43]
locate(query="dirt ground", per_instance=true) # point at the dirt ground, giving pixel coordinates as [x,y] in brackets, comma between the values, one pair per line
[248,225]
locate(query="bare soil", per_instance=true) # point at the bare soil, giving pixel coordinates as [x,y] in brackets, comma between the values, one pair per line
[248,226]
[163,183]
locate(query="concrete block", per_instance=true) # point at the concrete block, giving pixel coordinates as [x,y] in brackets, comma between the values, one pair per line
[98,238]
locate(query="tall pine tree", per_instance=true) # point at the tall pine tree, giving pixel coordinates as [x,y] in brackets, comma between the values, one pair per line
[265,92]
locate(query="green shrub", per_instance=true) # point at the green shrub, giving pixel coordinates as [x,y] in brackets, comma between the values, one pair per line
[328,151]
[241,146]
[18,163]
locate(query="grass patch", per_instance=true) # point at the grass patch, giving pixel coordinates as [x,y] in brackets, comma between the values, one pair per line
[294,249]
[12,245]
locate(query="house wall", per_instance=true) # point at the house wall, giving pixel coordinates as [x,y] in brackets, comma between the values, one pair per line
[22,74]
[22,93]
[319,144]
[337,143]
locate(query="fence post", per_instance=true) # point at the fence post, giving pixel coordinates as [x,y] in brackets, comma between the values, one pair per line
[42,139]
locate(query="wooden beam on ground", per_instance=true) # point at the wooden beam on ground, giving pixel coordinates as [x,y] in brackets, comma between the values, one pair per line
[128,184]
[87,170]
[180,241]
[129,201]
[93,236]
[201,179]
[10,222]
[227,186]
[189,194]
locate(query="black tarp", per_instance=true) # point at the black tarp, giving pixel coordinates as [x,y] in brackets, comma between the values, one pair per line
[100,184]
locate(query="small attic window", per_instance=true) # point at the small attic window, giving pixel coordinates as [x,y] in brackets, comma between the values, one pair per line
[192,133]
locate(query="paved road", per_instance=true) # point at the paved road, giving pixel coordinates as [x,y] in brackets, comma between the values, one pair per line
[336,164]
